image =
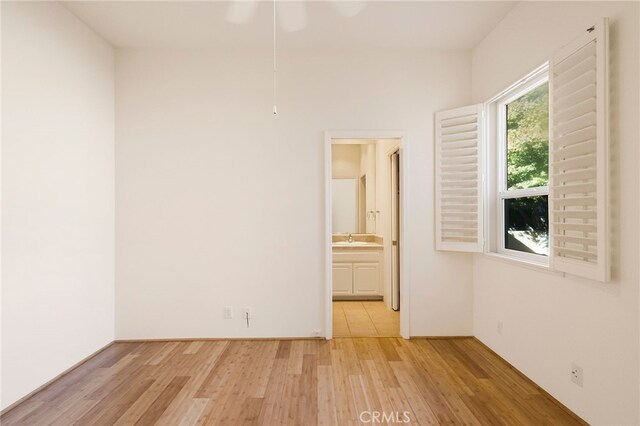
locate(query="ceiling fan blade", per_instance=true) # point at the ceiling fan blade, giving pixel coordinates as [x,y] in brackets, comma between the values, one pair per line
[293,15]
[349,8]
[241,11]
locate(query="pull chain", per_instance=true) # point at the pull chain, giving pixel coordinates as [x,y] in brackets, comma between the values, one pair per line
[275,108]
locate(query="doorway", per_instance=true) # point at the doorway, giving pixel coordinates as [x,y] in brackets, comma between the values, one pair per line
[364,265]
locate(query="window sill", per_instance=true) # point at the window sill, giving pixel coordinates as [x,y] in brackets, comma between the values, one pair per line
[535,266]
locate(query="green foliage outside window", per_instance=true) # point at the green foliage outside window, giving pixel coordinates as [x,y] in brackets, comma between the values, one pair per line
[526,218]
[528,140]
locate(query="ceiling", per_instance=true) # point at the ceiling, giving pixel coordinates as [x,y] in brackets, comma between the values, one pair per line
[381,24]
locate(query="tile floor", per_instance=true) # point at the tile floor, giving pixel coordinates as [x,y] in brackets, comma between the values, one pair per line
[364,319]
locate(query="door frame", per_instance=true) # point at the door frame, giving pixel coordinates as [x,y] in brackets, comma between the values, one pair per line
[392,291]
[405,293]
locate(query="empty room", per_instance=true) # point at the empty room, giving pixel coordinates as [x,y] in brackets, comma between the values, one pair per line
[336,212]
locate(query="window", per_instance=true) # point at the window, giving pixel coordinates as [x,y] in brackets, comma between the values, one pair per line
[522,145]
[530,166]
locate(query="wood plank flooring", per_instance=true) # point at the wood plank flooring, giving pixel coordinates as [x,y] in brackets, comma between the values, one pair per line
[364,319]
[344,381]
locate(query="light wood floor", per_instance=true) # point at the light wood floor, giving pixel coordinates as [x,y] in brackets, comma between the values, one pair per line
[365,319]
[302,382]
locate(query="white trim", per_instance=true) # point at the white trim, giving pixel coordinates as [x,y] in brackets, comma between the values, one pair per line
[403,147]
[328,225]
[388,269]
[536,191]
[540,70]
[550,182]
[497,124]
[405,292]
[536,266]
[537,259]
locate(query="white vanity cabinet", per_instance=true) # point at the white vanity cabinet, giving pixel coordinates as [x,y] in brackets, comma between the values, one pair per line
[366,278]
[357,273]
[342,279]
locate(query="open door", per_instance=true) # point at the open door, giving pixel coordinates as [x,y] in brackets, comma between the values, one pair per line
[395,231]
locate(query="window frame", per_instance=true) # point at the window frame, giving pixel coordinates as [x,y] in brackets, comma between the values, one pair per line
[490,203]
[496,112]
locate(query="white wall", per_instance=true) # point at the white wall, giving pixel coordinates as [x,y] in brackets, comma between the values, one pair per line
[221,203]
[550,321]
[58,194]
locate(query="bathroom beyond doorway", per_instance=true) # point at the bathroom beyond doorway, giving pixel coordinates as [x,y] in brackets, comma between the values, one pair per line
[364,200]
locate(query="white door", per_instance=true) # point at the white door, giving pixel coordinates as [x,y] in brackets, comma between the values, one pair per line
[366,278]
[395,231]
[342,278]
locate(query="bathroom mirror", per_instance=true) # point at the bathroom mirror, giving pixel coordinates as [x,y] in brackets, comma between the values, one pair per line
[345,206]
[353,168]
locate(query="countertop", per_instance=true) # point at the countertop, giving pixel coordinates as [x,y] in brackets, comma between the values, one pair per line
[356,246]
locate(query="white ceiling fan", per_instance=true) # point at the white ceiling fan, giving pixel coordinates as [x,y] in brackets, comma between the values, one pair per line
[293,17]
[292,14]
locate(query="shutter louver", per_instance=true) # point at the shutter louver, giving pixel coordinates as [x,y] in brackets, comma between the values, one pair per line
[579,155]
[459,213]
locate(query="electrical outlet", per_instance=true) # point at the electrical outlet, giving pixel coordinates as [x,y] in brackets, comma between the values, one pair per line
[228,312]
[576,374]
[499,328]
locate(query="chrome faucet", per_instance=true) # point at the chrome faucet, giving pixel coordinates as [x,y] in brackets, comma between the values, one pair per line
[350,239]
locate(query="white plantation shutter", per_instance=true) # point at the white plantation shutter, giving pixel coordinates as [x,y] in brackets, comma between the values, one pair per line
[459,195]
[578,155]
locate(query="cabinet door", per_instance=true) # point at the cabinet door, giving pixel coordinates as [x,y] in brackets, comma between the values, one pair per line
[342,278]
[366,278]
